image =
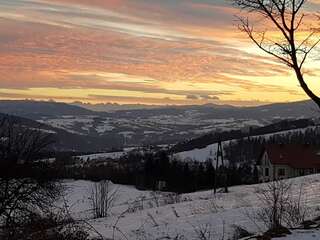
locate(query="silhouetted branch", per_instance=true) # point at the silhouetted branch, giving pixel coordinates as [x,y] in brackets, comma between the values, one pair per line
[285,17]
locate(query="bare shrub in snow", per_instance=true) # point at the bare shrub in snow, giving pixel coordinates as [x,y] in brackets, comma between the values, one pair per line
[136,205]
[204,232]
[153,220]
[172,198]
[103,196]
[156,197]
[53,225]
[274,200]
[213,206]
[240,232]
[280,207]
[175,212]
[115,227]
[296,210]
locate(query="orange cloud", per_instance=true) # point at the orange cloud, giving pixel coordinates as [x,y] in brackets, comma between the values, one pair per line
[184,51]
[97,3]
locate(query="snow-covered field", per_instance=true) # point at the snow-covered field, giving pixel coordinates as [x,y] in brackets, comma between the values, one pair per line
[148,128]
[303,235]
[149,215]
[111,155]
[200,155]
[82,159]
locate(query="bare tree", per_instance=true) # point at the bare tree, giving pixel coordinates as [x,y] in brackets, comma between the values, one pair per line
[25,188]
[102,198]
[295,36]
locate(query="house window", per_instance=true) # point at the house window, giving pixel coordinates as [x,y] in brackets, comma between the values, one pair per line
[266,172]
[281,172]
[265,160]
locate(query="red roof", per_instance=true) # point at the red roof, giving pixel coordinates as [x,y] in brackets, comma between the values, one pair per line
[294,155]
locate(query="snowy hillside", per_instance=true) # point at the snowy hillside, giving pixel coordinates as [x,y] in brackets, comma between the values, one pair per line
[149,215]
[197,155]
[209,152]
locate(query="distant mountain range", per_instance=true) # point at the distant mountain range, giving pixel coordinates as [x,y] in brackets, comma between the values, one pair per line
[113,107]
[82,128]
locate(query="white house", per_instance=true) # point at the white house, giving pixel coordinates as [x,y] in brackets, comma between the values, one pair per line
[288,160]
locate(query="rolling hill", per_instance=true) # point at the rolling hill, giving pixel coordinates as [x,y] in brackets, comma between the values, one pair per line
[166,125]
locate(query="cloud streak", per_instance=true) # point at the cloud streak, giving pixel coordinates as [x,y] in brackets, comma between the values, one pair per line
[186,51]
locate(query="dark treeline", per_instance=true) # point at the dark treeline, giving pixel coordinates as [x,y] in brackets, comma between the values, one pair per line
[145,169]
[211,138]
[148,167]
[156,169]
[249,149]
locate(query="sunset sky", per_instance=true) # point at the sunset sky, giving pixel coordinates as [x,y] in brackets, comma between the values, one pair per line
[138,51]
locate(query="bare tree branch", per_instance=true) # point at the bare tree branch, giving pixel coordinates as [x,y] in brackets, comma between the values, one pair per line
[286,17]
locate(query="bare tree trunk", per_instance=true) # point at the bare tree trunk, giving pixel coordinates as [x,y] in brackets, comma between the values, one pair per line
[287,18]
[305,87]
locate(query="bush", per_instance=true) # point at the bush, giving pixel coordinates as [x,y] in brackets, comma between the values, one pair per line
[51,226]
[281,208]
[102,198]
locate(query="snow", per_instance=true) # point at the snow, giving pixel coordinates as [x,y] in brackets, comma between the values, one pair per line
[200,155]
[112,155]
[302,235]
[126,134]
[157,218]
[43,130]
[302,130]
[104,128]
[209,152]
[67,123]
[78,196]
[105,155]
[192,122]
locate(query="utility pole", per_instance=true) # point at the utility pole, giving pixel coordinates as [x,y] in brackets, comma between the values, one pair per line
[224,175]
